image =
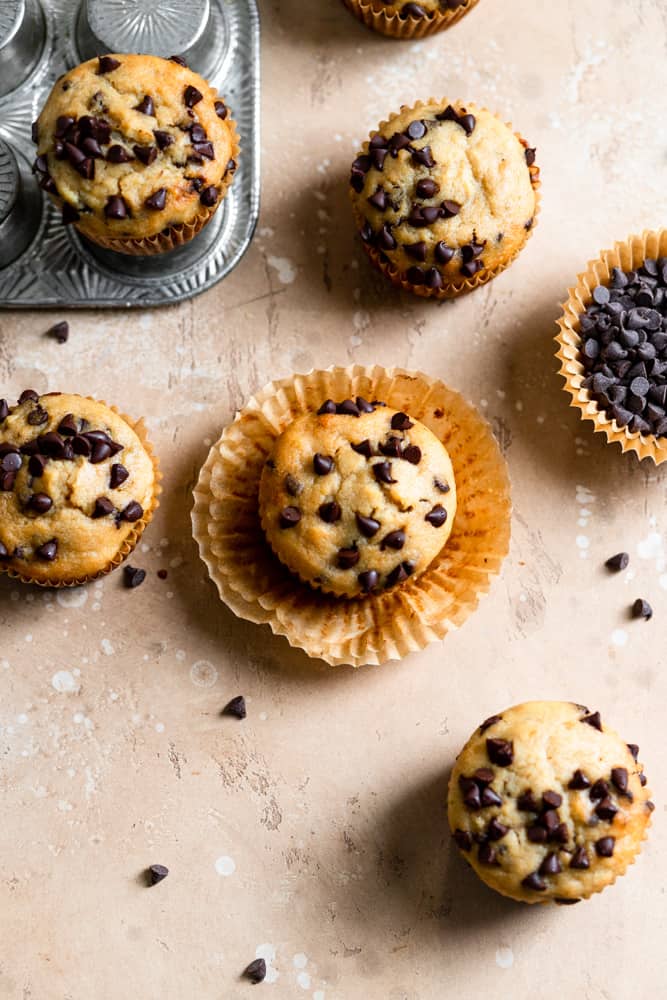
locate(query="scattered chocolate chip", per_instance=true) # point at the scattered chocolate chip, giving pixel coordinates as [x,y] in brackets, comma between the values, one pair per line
[642,609]
[618,562]
[551,865]
[132,512]
[116,208]
[604,848]
[368,526]
[156,873]
[256,971]
[363,448]
[7,480]
[322,464]
[68,426]
[347,558]
[382,473]
[491,721]
[59,331]
[530,157]
[579,781]
[39,503]
[4,553]
[534,882]
[48,551]
[146,106]
[400,573]
[593,719]
[369,580]
[580,860]
[81,446]
[462,839]
[209,196]
[100,451]
[133,576]
[192,96]
[289,517]
[437,516]
[236,707]
[330,512]
[394,540]
[501,752]
[490,798]
[106,64]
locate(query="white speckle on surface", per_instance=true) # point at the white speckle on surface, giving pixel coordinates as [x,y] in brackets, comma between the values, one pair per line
[303,979]
[64,806]
[523,598]
[263,716]
[619,637]
[225,865]
[28,638]
[63,681]
[4,664]
[159,727]
[180,654]
[268,953]
[663,581]
[284,268]
[504,957]
[318,995]
[74,597]
[203,674]
[652,547]
[107,647]
[266,232]
[22,719]
[582,541]
[300,960]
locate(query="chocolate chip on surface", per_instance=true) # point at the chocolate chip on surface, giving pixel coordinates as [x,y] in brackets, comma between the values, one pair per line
[619,778]
[491,721]
[209,196]
[59,331]
[133,576]
[642,609]
[116,208]
[401,422]
[256,971]
[526,802]
[236,707]
[363,448]
[292,485]
[146,106]
[551,865]
[462,839]
[157,873]
[618,562]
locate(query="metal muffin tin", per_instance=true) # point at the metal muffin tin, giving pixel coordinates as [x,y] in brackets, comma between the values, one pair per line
[46,264]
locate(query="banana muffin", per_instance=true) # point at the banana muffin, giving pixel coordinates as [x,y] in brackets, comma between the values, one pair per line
[404,19]
[547,803]
[444,197]
[357,497]
[77,488]
[137,151]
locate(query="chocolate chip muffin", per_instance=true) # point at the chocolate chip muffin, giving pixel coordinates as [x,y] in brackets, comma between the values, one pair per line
[548,804]
[137,151]
[78,485]
[404,19]
[444,197]
[357,497]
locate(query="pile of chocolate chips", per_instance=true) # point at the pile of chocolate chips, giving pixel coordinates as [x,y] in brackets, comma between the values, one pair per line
[624,347]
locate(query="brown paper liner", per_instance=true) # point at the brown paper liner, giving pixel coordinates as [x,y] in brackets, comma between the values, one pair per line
[376,628]
[371,13]
[131,540]
[451,289]
[174,236]
[628,256]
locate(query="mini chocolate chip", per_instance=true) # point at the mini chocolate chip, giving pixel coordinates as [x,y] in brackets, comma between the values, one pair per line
[132,512]
[48,551]
[550,821]
[533,882]
[496,830]
[412,454]
[4,553]
[416,250]
[220,109]
[157,200]
[145,154]
[289,517]
[426,188]
[378,200]
[100,451]
[606,809]
[579,781]
[36,466]
[449,209]
[490,798]
[437,516]
[118,154]
[292,485]
[491,721]
[209,196]
[599,790]
[81,446]
[106,64]
[37,416]
[470,269]
[133,576]
[618,562]
[642,779]
[256,971]
[526,802]
[423,157]
[552,800]
[4,410]
[28,394]
[642,609]
[146,106]
[192,96]
[115,208]
[530,157]
[322,464]
[442,253]
[103,507]
[392,447]
[163,139]
[348,408]
[604,848]
[399,573]
[330,512]
[560,834]
[619,778]
[236,707]
[92,148]
[401,422]
[551,865]
[440,486]
[416,130]
[117,476]
[369,580]
[39,503]
[68,426]
[11,462]
[7,480]
[394,540]
[347,558]
[483,775]
[501,752]
[368,526]
[634,750]
[471,796]
[487,855]
[593,719]
[536,834]
[179,60]
[462,839]
[328,406]
[579,860]
[382,473]
[156,873]
[363,448]
[59,331]
[364,406]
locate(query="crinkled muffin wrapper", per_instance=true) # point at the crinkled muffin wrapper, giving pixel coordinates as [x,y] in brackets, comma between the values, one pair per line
[131,540]
[451,289]
[628,256]
[370,13]
[376,628]
[174,236]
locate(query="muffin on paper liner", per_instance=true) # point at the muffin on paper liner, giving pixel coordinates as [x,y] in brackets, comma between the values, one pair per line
[132,538]
[375,628]
[451,289]
[627,255]
[374,14]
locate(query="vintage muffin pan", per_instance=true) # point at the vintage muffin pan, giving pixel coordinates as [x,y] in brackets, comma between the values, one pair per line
[43,263]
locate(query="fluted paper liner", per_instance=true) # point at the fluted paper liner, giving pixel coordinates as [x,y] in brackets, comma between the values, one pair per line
[373,15]
[451,289]
[628,256]
[374,628]
[174,236]
[131,540]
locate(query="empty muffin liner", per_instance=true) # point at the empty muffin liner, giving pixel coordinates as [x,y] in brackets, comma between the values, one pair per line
[373,14]
[628,256]
[451,289]
[131,540]
[375,628]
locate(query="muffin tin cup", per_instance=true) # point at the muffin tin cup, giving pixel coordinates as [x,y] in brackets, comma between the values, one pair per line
[628,256]
[377,628]
[132,538]
[373,14]
[452,289]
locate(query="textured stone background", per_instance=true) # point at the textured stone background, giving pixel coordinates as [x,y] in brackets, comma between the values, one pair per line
[327,802]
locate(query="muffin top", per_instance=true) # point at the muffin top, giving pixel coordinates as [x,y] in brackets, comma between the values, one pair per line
[357,497]
[74,480]
[130,145]
[547,803]
[443,192]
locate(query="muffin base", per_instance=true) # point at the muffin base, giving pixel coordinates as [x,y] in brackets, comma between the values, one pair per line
[132,539]
[450,289]
[627,255]
[376,628]
[406,28]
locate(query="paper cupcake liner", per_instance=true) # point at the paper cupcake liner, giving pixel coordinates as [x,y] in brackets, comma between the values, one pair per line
[131,540]
[376,628]
[372,14]
[174,236]
[628,256]
[451,289]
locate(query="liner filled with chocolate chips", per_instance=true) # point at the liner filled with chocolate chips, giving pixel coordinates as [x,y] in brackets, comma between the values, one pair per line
[406,20]
[612,345]
[445,196]
[79,482]
[361,512]
[137,151]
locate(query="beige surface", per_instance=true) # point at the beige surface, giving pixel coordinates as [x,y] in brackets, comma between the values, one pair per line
[330,796]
